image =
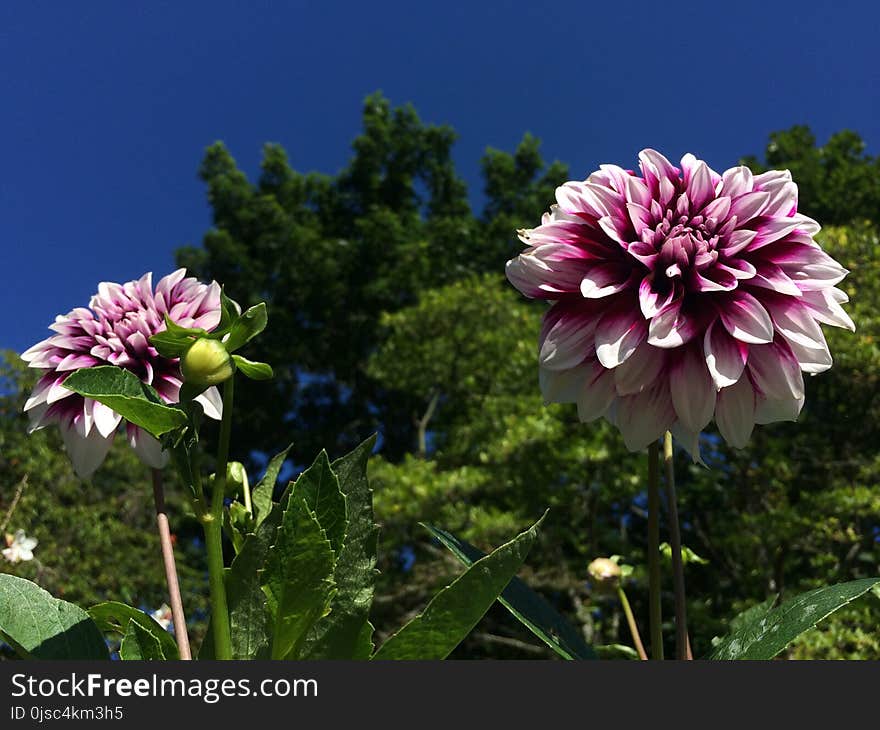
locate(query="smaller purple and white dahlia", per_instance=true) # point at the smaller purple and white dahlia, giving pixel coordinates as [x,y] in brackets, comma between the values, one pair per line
[115,330]
[680,296]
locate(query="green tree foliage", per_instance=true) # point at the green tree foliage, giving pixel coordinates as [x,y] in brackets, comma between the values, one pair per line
[838,182]
[389,312]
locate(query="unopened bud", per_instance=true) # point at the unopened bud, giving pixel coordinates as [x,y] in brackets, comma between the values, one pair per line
[206,363]
[605,574]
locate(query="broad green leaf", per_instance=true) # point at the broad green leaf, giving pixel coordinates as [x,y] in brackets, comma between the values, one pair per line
[138,644]
[261,495]
[249,325]
[346,632]
[39,626]
[115,617]
[751,615]
[298,578]
[253,370]
[123,391]
[455,610]
[246,601]
[319,487]
[527,606]
[766,635]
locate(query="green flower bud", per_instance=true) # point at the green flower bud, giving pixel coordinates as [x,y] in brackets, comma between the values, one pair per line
[206,363]
[605,574]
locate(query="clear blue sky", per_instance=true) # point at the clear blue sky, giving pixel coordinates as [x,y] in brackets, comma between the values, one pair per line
[107,106]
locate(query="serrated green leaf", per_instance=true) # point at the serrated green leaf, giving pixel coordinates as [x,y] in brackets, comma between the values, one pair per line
[319,487]
[39,626]
[249,325]
[455,610]
[527,606]
[261,495]
[246,600]
[138,644]
[253,370]
[298,578]
[115,617]
[346,632]
[123,391]
[766,635]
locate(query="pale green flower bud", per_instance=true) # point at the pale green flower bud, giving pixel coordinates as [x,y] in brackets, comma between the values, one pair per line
[605,574]
[206,363]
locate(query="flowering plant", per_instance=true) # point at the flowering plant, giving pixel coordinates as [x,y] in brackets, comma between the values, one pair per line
[300,584]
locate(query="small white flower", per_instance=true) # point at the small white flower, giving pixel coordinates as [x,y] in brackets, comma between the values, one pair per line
[162,616]
[19,547]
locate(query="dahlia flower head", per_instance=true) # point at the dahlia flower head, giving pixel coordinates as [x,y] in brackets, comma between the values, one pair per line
[680,296]
[115,330]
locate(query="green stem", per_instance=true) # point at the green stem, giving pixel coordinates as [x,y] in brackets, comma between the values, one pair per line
[213,522]
[631,622]
[656,617]
[682,645]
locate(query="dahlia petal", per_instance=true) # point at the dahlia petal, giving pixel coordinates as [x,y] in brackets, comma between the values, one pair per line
[775,371]
[770,410]
[735,413]
[86,453]
[737,241]
[148,448]
[745,318]
[773,230]
[737,181]
[212,402]
[725,355]
[620,331]
[783,200]
[794,321]
[747,206]
[652,302]
[563,386]
[644,417]
[640,217]
[106,419]
[719,209]
[699,185]
[812,359]
[689,441]
[640,370]
[714,279]
[809,267]
[673,326]
[692,389]
[57,392]
[597,395]
[603,280]
[824,306]
[770,276]
[637,192]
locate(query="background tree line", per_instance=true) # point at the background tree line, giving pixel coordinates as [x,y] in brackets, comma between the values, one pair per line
[389,312]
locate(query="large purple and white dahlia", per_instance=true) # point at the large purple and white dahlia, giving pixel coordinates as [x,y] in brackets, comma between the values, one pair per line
[680,296]
[115,330]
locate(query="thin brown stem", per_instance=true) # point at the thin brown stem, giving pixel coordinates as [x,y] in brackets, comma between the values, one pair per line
[170,568]
[11,511]
[631,622]
[682,643]
[655,614]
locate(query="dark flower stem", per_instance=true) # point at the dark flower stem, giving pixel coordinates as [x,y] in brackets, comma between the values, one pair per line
[631,622]
[682,643]
[655,614]
[213,522]
[170,568]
